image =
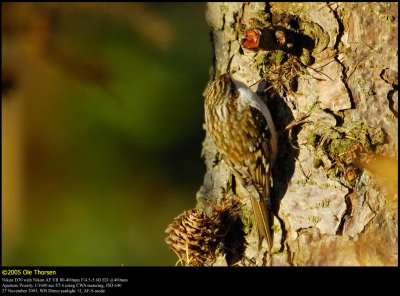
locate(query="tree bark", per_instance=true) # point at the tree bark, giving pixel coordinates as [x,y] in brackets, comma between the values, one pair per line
[334,195]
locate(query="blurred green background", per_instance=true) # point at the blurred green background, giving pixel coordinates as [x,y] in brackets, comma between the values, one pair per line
[101,131]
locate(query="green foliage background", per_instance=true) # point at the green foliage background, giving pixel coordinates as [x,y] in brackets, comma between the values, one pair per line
[112,132]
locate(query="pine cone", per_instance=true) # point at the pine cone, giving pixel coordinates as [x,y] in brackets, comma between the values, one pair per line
[194,237]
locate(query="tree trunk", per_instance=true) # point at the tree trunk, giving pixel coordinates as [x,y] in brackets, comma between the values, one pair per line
[333,68]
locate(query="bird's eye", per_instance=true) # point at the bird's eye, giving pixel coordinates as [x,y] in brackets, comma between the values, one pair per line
[234,91]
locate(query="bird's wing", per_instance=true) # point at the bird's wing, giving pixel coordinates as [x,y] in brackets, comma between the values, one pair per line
[260,156]
[254,171]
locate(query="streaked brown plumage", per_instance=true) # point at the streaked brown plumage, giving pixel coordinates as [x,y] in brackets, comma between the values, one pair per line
[242,129]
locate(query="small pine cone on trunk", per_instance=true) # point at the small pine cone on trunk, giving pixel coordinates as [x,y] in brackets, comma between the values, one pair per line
[194,237]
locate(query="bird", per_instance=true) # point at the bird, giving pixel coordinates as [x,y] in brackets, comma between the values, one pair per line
[243,131]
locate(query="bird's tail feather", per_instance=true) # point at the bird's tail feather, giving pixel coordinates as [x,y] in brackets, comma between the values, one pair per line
[261,216]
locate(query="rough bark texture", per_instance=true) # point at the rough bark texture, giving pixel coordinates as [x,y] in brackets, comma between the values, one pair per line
[334,200]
